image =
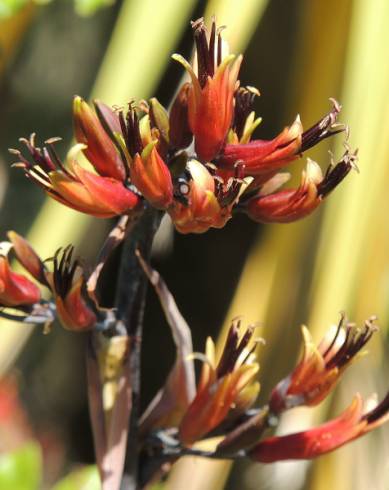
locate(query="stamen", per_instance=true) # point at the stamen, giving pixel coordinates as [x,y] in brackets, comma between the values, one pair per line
[338,330]
[335,174]
[64,270]
[379,411]
[244,102]
[323,129]
[130,130]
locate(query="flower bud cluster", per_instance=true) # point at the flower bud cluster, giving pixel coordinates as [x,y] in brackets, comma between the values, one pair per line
[145,154]
[65,281]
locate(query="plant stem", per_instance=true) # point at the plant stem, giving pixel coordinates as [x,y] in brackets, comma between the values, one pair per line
[130,303]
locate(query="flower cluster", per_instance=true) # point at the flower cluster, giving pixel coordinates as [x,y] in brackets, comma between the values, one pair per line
[227,390]
[65,281]
[145,154]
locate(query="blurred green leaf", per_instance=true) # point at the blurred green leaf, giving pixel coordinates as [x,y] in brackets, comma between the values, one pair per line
[21,469]
[86,478]
[89,7]
[83,7]
[10,7]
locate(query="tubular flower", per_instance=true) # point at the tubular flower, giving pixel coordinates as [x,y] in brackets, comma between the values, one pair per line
[99,148]
[203,201]
[75,186]
[211,93]
[29,259]
[148,171]
[68,288]
[16,290]
[262,157]
[222,384]
[351,424]
[290,205]
[321,367]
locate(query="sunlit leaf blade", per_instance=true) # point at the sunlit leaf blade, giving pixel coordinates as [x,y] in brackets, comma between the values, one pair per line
[11,7]
[21,469]
[89,7]
[86,478]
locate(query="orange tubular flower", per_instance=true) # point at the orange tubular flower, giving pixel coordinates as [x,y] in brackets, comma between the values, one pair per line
[27,256]
[211,93]
[68,287]
[75,187]
[321,367]
[99,148]
[148,171]
[292,204]
[261,157]
[222,385]
[352,423]
[15,289]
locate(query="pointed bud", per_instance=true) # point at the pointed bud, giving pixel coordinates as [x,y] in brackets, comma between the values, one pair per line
[152,178]
[160,120]
[99,148]
[27,256]
[180,133]
[15,289]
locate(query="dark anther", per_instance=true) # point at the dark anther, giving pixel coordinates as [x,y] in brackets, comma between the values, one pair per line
[244,102]
[379,411]
[336,173]
[355,339]
[233,348]
[227,194]
[64,270]
[326,127]
[129,125]
[206,50]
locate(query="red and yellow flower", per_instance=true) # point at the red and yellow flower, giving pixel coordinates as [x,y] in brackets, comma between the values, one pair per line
[321,366]
[224,385]
[211,92]
[354,422]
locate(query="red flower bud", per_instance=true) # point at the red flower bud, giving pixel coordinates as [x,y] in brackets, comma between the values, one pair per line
[27,256]
[211,93]
[151,176]
[99,148]
[352,423]
[15,289]
[180,134]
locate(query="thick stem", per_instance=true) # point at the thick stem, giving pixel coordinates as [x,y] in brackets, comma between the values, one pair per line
[130,302]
